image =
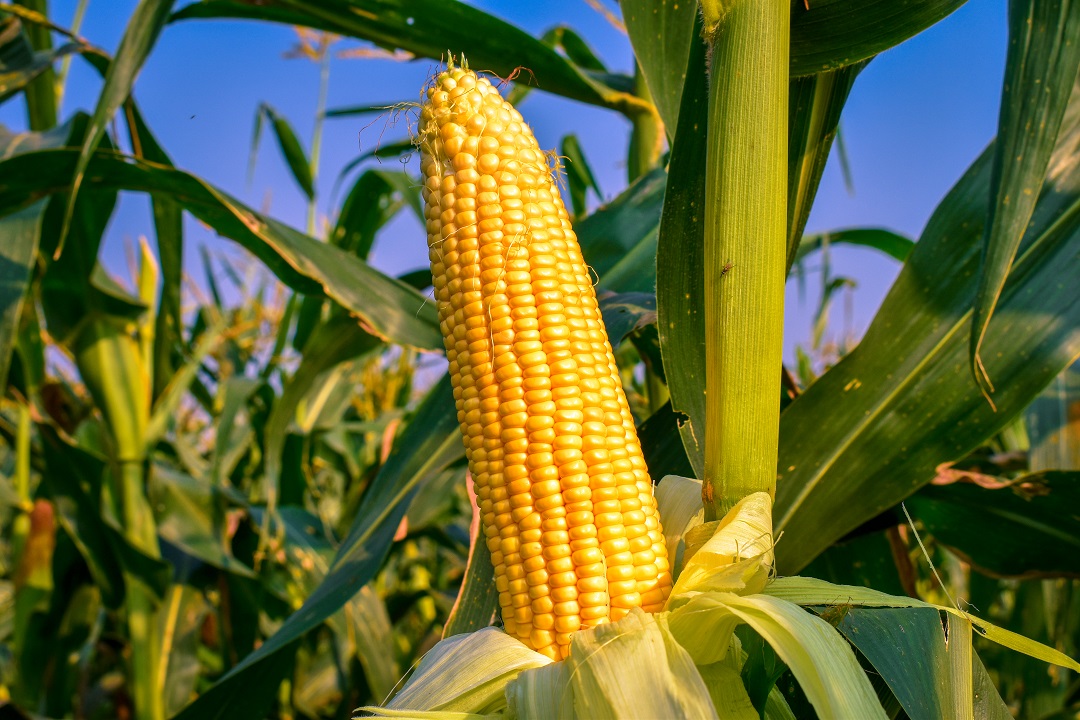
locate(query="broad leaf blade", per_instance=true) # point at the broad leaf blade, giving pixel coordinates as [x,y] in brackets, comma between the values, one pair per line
[1029,530]
[680,280]
[834,33]
[19,235]
[661,34]
[619,239]
[907,648]
[430,28]
[1040,70]
[833,475]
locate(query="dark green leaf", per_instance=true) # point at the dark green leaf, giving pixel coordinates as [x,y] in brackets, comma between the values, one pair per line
[1051,423]
[579,176]
[904,388]
[619,239]
[289,144]
[376,197]
[680,280]
[988,702]
[431,28]
[865,560]
[1040,71]
[140,35]
[331,343]
[418,279]
[575,47]
[186,516]
[478,600]
[661,33]
[73,478]
[1028,530]
[892,244]
[19,234]
[431,442]
[626,312]
[662,446]
[907,648]
[391,309]
[814,106]
[834,33]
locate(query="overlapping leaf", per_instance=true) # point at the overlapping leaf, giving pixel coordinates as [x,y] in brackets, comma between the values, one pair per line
[901,387]
[391,310]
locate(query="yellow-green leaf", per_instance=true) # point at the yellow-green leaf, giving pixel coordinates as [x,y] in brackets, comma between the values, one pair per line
[467,673]
[635,668]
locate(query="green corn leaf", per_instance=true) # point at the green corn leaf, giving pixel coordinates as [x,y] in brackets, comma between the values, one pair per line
[885,241]
[619,239]
[907,647]
[289,144]
[141,33]
[429,28]
[906,364]
[19,235]
[390,309]
[1027,530]
[680,283]
[1040,70]
[661,34]
[817,655]
[579,176]
[831,34]
[478,600]
[814,106]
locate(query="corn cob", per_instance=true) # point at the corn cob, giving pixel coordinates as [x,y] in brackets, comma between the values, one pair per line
[565,499]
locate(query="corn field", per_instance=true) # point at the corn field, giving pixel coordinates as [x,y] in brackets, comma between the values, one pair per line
[565,466]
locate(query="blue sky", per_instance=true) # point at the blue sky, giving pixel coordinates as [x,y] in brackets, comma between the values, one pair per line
[917,117]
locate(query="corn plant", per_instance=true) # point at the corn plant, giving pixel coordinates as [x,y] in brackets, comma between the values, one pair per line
[236,496]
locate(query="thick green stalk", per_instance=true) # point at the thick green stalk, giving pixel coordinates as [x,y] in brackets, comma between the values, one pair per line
[110,361]
[745,248]
[41,102]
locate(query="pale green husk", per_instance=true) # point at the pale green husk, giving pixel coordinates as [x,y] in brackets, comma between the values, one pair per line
[687,660]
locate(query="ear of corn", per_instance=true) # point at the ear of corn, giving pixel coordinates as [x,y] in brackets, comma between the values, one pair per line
[565,498]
